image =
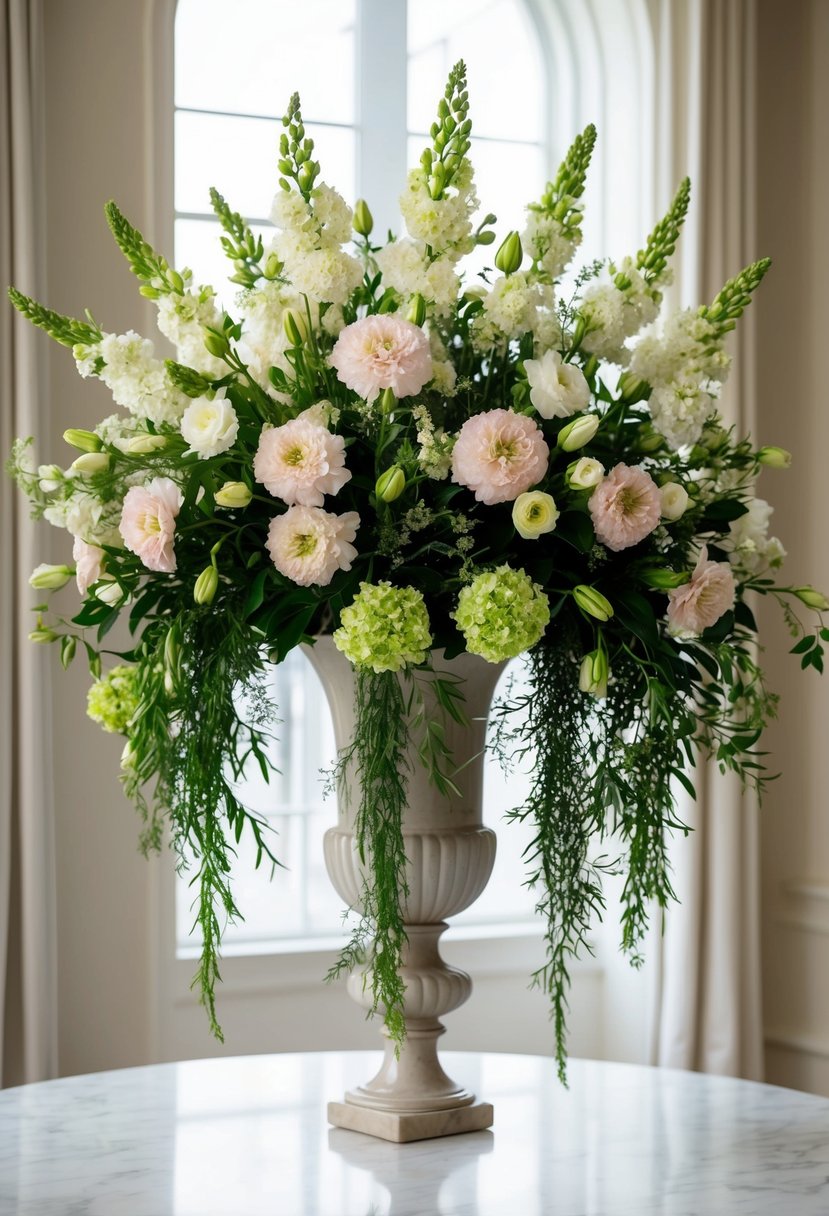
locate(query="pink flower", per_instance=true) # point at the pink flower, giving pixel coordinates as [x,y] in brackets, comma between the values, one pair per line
[699,604]
[89,563]
[148,523]
[309,546]
[625,506]
[300,462]
[499,455]
[383,352]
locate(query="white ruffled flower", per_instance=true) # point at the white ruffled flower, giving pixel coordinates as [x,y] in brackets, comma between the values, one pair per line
[309,545]
[209,426]
[183,319]
[444,224]
[750,548]
[544,240]
[309,244]
[406,268]
[85,516]
[614,314]
[325,275]
[557,389]
[680,411]
[138,381]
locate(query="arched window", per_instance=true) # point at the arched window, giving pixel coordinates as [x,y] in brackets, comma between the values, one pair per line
[370,73]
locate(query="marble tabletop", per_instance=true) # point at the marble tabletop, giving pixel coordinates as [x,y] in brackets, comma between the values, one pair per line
[248,1136]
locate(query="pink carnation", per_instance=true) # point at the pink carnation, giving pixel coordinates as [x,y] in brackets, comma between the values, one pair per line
[625,506]
[699,604]
[300,462]
[309,545]
[383,352]
[89,563]
[499,455]
[148,523]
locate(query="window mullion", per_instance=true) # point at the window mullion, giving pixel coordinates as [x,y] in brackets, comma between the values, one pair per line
[382,70]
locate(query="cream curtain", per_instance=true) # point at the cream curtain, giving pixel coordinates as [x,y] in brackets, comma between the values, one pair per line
[708,998]
[28,1005]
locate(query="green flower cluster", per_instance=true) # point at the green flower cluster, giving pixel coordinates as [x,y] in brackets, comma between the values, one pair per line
[385,628]
[112,700]
[502,613]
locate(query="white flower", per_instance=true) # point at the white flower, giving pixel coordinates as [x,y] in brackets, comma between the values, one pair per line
[407,269]
[615,313]
[138,381]
[585,473]
[89,564]
[680,411]
[557,389]
[209,426]
[325,275]
[544,241]
[183,318]
[674,500]
[444,224]
[750,548]
[309,545]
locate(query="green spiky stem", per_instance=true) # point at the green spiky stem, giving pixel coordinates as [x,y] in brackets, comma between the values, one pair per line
[661,243]
[450,134]
[157,276]
[296,150]
[239,243]
[729,305]
[65,330]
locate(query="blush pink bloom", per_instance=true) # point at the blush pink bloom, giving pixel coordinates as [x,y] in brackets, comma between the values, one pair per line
[300,462]
[699,604]
[383,352]
[625,507]
[499,455]
[309,545]
[148,523]
[89,564]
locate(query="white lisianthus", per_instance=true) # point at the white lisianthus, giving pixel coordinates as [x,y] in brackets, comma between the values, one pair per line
[593,674]
[50,578]
[584,474]
[751,549]
[557,389]
[89,564]
[209,426]
[534,513]
[674,500]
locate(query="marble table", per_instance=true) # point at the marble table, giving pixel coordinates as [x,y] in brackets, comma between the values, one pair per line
[240,1137]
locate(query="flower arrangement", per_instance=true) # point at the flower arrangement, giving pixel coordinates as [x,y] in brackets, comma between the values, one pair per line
[369,445]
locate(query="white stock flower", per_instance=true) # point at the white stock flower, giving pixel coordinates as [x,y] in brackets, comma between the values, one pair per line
[183,318]
[679,411]
[445,224]
[750,548]
[209,426]
[138,381]
[544,241]
[406,268]
[325,275]
[557,389]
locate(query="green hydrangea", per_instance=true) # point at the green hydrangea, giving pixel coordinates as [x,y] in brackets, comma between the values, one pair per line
[112,700]
[385,628]
[502,613]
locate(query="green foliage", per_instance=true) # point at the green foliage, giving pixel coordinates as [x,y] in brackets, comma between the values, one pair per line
[65,330]
[296,152]
[154,271]
[661,243]
[450,134]
[239,243]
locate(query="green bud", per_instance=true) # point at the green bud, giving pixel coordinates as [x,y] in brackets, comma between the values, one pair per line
[812,598]
[775,458]
[91,462]
[649,442]
[578,432]
[363,219]
[50,578]
[417,309]
[391,484]
[578,333]
[216,343]
[109,592]
[593,602]
[387,400]
[293,325]
[631,388]
[206,586]
[485,238]
[510,254]
[273,266]
[42,634]
[172,648]
[662,579]
[68,646]
[84,441]
[233,494]
[593,673]
[144,445]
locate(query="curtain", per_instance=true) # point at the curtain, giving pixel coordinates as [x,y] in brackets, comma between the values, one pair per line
[708,999]
[28,1004]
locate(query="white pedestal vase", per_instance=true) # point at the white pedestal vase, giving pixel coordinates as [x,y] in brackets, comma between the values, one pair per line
[450,855]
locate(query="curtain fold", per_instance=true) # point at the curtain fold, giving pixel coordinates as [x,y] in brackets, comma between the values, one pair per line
[708,1013]
[28,983]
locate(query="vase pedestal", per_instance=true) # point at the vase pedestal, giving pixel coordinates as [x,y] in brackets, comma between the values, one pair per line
[449,858]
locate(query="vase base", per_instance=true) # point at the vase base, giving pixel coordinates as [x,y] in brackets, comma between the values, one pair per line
[402,1128]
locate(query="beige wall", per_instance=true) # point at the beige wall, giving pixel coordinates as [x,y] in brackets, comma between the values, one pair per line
[793,331]
[97,99]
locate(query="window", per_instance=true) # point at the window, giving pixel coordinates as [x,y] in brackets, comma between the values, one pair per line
[369,73]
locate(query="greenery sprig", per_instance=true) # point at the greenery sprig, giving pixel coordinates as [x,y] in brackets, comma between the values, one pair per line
[561,195]
[157,277]
[63,329]
[661,243]
[729,304]
[296,152]
[239,242]
[450,134]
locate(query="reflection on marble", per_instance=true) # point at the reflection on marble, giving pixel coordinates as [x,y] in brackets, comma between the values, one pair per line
[240,1137]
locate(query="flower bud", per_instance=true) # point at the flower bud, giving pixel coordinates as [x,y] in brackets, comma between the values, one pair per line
[42,634]
[775,458]
[169,683]
[649,441]
[68,646]
[128,757]
[206,586]
[487,237]
[109,592]
[172,647]
[294,327]
[812,598]
[144,445]
[50,478]
[510,254]
[90,463]
[387,400]
[674,500]
[50,578]
[578,432]
[391,484]
[662,579]
[233,494]
[417,309]
[84,441]
[534,513]
[593,673]
[593,602]
[216,343]
[584,474]
[363,219]
[273,266]
[631,388]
